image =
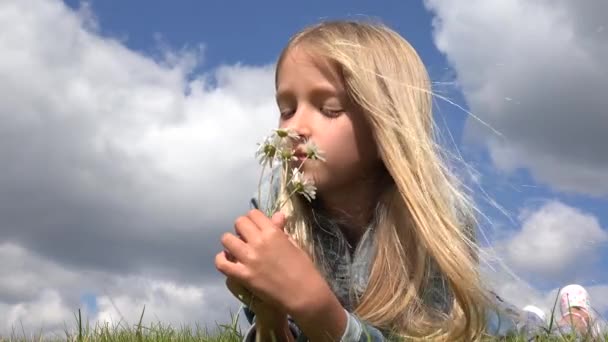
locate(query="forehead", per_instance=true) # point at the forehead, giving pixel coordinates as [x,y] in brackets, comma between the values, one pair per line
[305,64]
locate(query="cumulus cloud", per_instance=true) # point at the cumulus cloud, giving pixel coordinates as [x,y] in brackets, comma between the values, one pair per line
[164,302]
[520,293]
[556,238]
[556,245]
[44,296]
[118,165]
[535,71]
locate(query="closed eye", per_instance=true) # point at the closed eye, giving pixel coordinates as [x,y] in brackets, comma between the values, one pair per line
[287,113]
[331,112]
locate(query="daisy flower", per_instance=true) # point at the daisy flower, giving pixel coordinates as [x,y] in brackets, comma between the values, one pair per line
[280,146]
[302,186]
[312,151]
[286,133]
[267,152]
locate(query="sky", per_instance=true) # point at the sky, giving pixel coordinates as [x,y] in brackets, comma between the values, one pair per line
[128,131]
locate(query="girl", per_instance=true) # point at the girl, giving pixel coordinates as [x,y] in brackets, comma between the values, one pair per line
[387,249]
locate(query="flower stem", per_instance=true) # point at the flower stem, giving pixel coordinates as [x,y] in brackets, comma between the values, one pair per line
[270,194]
[284,202]
[260,185]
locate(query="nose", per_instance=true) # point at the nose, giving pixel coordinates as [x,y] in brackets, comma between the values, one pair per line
[300,122]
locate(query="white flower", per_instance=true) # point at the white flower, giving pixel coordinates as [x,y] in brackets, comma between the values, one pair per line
[286,133]
[287,155]
[267,151]
[277,146]
[302,186]
[312,151]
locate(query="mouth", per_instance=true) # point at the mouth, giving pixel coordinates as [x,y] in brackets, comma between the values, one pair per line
[300,158]
[300,155]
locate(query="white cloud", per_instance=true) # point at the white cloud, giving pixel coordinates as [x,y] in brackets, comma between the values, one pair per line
[47,313]
[535,71]
[45,296]
[117,166]
[520,293]
[557,241]
[556,245]
[165,302]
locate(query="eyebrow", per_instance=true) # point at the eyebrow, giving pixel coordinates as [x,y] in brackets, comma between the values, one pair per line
[320,91]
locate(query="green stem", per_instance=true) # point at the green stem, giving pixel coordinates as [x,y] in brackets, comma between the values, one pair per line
[260,185]
[285,166]
[271,210]
[270,193]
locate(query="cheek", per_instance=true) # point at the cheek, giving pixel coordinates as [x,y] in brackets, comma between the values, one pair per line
[352,146]
[348,157]
[340,145]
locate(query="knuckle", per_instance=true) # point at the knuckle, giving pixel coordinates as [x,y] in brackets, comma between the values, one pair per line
[273,234]
[251,257]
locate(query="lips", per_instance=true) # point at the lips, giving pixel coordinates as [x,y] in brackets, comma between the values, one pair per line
[300,154]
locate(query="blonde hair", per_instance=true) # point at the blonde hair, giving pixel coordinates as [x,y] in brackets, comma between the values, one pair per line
[419,219]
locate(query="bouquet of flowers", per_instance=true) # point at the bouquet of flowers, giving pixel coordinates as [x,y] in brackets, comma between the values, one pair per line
[281,147]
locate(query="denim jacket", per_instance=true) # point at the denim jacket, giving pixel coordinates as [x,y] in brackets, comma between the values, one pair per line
[348,275]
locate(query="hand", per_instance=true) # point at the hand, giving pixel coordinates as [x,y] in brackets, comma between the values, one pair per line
[270,265]
[263,311]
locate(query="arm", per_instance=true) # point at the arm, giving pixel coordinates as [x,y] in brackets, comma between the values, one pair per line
[356,330]
[327,320]
[329,317]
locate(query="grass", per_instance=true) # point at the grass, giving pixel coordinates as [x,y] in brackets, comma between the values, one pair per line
[158,332]
[121,332]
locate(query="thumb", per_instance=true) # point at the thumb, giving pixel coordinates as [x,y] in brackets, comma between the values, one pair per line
[278,219]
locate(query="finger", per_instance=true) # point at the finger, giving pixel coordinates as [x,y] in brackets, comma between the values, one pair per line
[229,256]
[227,267]
[278,219]
[235,246]
[246,228]
[260,220]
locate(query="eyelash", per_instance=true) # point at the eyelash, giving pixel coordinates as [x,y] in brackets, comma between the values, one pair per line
[331,113]
[286,113]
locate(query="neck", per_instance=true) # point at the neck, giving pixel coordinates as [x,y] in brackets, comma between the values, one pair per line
[353,205]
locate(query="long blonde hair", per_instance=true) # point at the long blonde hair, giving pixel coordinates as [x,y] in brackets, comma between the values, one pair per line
[419,220]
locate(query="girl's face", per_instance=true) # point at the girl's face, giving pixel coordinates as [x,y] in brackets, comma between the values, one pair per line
[312,101]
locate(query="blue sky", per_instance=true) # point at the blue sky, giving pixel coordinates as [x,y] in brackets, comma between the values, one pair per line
[121,142]
[248,33]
